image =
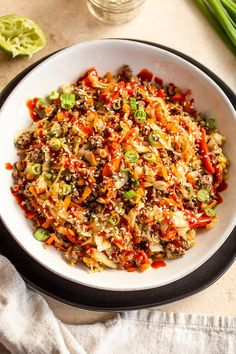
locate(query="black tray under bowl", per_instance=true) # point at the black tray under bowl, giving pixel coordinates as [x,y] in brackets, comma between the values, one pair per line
[89,298]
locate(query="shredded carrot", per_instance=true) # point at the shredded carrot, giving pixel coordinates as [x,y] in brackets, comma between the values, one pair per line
[49,241]
[34,204]
[190,178]
[32,189]
[47,223]
[86,193]
[59,246]
[213,204]
[66,202]
[164,173]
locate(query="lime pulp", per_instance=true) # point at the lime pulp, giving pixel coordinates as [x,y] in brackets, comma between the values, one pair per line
[20,36]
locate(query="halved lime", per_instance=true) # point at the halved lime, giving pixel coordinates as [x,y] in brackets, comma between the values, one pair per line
[20,36]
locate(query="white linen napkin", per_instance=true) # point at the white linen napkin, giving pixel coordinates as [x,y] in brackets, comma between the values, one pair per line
[27,325]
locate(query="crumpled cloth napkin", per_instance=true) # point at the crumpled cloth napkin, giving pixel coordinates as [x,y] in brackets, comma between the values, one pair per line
[27,325]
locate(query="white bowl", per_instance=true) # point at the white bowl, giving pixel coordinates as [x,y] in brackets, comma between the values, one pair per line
[109,55]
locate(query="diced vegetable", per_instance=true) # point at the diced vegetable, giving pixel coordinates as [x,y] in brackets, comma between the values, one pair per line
[205,153]
[67,100]
[210,211]
[131,156]
[210,123]
[124,127]
[133,104]
[153,139]
[48,175]
[140,115]
[149,157]
[35,169]
[203,195]
[129,194]
[54,95]
[41,234]
[117,104]
[52,133]
[136,199]
[55,144]
[64,189]
[114,219]
[40,103]
[124,169]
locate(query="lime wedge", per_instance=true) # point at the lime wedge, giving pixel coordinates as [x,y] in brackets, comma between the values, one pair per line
[20,35]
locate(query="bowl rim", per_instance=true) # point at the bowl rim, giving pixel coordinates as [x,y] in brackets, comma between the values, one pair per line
[176,288]
[228,230]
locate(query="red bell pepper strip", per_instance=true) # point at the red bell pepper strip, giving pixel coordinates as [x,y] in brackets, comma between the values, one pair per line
[110,167]
[189,108]
[161,93]
[86,130]
[145,75]
[158,264]
[178,97]
[219,176]
[90,72]
[200,222]
[205,153]
[72,238]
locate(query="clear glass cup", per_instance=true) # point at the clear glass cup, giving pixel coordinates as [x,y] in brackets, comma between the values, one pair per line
[115,11]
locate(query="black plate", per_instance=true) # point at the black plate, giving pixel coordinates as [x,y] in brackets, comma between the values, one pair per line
[101,300]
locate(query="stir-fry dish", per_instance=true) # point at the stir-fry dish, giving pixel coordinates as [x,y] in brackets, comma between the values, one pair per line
[119,171]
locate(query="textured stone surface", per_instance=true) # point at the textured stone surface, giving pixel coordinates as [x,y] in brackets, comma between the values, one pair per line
[173,23]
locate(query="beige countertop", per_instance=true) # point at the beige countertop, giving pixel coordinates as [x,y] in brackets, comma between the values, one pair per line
[174,23]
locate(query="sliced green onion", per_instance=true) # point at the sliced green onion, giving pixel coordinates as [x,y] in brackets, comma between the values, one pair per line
[48,175]
[131,156]
[114,219]
[153,139]
[149,157]
[124,127]
[210,211]
[210,123]
[224,20]
[136,183]
[140,115]
[41,234]
[158,132]
[133,104]
[55,144]
[67,100]
[35,169]
[203,195]
[124,169]
[129,194]
[216,22]
[116,105]
[40,103]
[64,189]
[54,95]
[52,133]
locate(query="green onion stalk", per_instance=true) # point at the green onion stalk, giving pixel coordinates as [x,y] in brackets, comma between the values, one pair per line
[221,14]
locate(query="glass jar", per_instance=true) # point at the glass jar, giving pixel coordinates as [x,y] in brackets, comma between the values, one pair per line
[115,11]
